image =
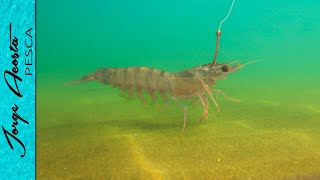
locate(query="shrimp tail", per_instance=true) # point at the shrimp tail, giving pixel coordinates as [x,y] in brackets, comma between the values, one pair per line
[89,77]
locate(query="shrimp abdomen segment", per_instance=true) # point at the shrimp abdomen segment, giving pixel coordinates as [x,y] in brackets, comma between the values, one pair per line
[139,78]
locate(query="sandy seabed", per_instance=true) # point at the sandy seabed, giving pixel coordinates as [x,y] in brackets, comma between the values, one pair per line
[84,136]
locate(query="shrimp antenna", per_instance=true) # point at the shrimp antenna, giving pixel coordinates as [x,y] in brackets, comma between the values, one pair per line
[218,34]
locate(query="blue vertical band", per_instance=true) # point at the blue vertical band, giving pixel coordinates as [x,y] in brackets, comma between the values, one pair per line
[17,89]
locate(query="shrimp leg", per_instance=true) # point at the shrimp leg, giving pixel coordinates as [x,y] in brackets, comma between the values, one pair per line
[140,94]
[210,95]
[185,113]
[163,95]
[222,93]
[204,101]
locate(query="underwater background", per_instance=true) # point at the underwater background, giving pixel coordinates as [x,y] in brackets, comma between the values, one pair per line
[87,131]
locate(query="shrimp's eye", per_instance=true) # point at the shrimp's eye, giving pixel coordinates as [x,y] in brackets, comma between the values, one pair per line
[225,68]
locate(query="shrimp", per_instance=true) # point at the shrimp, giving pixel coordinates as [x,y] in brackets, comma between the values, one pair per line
[193,83]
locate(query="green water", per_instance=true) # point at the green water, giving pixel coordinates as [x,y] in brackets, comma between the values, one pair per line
[87,131]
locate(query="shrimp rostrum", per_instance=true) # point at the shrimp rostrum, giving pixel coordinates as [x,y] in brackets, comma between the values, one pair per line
[193,83]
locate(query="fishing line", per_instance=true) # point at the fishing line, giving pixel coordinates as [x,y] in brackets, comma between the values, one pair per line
[218,34]
[227,15]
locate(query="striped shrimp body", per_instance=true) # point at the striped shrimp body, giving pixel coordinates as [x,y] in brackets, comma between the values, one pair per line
[193,83]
